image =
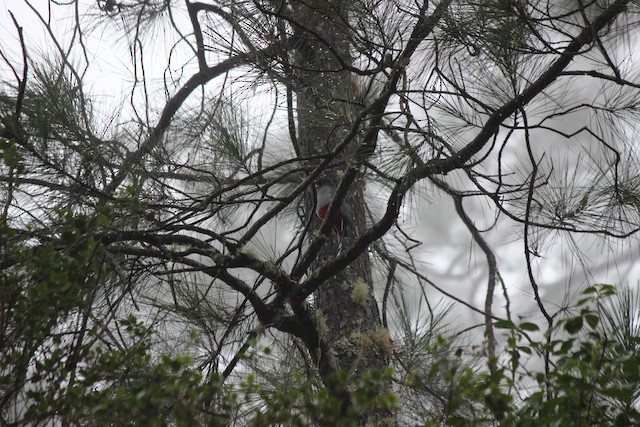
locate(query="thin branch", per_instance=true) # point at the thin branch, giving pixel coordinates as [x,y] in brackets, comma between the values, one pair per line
[423,28]
[390,278]
[174,103]
[491,280]
[421,276]
[22,83]
[439,166]
[586,36]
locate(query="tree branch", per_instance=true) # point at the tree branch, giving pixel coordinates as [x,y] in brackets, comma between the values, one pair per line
[443,166]
[174,103]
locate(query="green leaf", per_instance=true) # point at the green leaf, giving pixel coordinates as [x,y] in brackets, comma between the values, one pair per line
[504,324]
[528,326]
[573,325]
[631,369]
[592,320]
[524,349]
[583,301]
[565,347]
[618,393]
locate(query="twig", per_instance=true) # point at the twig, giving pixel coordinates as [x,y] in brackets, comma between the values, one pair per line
[22,83]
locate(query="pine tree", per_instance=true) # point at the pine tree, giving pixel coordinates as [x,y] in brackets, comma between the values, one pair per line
[162,262]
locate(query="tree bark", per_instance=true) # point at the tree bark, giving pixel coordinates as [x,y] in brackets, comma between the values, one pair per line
[327,101]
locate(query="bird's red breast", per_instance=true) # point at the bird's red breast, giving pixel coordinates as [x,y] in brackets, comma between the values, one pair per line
[337,225]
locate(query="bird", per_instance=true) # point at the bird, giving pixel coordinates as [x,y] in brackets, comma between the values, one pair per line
[325,191]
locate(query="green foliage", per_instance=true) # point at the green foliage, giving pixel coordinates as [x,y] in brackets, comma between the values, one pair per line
[134,386]
[577,374]
[583,370]
[42,286]
[130,386]
[148,208]
[304,403]
[11,156]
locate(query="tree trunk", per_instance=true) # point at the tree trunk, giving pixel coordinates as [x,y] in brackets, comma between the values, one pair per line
[327,99]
